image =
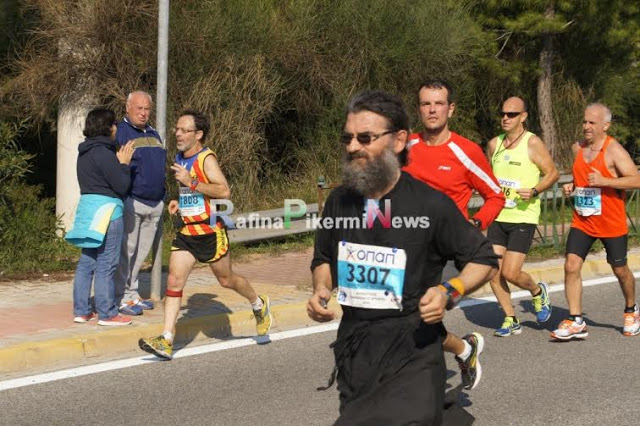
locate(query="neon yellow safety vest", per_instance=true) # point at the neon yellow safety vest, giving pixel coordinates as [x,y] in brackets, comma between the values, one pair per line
[515,170]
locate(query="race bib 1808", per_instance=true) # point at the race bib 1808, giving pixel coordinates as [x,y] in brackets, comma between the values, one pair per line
[588,201]
[190,203]
[370,276]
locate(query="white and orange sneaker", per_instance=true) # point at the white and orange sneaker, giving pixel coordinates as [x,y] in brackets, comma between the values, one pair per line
[115,320]
[569,329]
[85,318]
[631,322]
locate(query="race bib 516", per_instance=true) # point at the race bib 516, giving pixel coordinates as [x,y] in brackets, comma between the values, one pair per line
[509,187]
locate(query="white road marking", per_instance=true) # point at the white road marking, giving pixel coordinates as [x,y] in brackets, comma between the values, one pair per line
[238,343]
[552,289]
[147,359]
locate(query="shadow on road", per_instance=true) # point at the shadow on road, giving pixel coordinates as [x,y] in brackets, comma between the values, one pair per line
[490,315]
[197,319]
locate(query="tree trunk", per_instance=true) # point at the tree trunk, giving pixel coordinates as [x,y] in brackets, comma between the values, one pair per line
[72,112]
[71,116]
[545,103]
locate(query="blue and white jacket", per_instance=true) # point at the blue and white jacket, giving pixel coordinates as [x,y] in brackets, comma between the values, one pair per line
[148,163]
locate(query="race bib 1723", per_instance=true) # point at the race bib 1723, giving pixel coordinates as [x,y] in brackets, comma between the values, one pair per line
[588,201]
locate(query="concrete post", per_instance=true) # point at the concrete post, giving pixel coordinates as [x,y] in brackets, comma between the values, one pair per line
[161,118]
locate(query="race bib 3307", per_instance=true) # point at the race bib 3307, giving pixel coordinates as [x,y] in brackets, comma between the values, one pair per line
[370,276]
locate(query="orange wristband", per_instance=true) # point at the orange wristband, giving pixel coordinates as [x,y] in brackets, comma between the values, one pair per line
[458,285]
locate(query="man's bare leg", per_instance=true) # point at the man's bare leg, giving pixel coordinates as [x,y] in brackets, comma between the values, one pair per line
[181,262]
[229,279]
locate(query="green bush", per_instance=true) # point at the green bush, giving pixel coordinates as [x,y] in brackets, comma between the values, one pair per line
[28,224]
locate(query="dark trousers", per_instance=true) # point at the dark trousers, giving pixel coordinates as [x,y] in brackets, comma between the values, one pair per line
[390,372]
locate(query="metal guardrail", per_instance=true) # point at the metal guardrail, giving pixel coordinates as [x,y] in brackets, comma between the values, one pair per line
[555,220]
[555,217]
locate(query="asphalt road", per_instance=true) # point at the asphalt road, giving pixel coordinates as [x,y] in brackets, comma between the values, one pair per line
[527,380]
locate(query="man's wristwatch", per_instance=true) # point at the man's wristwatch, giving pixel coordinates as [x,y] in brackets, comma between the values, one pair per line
[194,183]
[534,192]
[454,289]
[476,222]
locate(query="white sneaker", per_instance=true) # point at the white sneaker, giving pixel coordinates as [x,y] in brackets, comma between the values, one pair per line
[631,322]
[569,329]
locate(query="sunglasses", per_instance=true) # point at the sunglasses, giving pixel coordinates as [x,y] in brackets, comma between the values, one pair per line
[363,138]
[510,114]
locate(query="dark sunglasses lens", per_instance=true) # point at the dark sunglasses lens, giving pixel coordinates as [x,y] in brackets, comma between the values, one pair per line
[345,138]
[364,138]
[509,114]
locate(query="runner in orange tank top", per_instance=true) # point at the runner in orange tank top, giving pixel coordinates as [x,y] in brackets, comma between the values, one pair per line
[602,172]
[599,212]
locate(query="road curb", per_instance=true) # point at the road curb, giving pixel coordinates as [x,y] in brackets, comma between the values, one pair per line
[36,356]
[592,268]
[45,355]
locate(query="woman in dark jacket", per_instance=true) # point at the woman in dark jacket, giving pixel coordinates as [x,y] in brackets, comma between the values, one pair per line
[104,180]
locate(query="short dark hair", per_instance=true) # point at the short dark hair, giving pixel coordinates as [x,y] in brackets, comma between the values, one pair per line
[99,122]
[436,83]
[200,120]
[391,107]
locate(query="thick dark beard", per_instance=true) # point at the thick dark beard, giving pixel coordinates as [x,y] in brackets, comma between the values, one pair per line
[372,178]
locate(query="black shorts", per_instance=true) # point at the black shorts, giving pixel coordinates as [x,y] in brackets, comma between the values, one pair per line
[390,371]
[579,243]
[513,236]
[206,248]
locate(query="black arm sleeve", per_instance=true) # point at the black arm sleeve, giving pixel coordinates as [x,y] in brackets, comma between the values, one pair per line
[116,175]
[324,250]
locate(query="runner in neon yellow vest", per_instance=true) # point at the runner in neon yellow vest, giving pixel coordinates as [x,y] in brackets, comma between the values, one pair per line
[518,159]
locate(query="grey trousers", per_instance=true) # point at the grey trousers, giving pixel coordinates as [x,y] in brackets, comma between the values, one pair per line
[142,224]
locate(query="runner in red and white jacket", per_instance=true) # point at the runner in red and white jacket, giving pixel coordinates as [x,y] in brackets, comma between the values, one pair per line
[455,166]
[449,162]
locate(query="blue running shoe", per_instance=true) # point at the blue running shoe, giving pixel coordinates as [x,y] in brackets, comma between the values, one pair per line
[146,305]
[509,326]
[130,308]
[542,303]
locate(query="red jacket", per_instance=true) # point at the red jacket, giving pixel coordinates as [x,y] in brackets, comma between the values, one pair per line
[456,168]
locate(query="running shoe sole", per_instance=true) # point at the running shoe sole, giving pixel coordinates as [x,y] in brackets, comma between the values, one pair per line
[626,333]
[582,335]
[150,349]
[107,323]
[517,331]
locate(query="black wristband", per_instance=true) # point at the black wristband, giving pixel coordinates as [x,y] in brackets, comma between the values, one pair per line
[534,192]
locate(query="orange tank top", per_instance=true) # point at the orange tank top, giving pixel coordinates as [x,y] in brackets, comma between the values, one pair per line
[599,212]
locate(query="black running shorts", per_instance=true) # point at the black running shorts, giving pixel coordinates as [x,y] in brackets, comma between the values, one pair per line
[579,243]
[514,236]
[206,248]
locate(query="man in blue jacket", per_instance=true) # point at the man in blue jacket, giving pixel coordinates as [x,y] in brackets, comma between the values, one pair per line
[145,201]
